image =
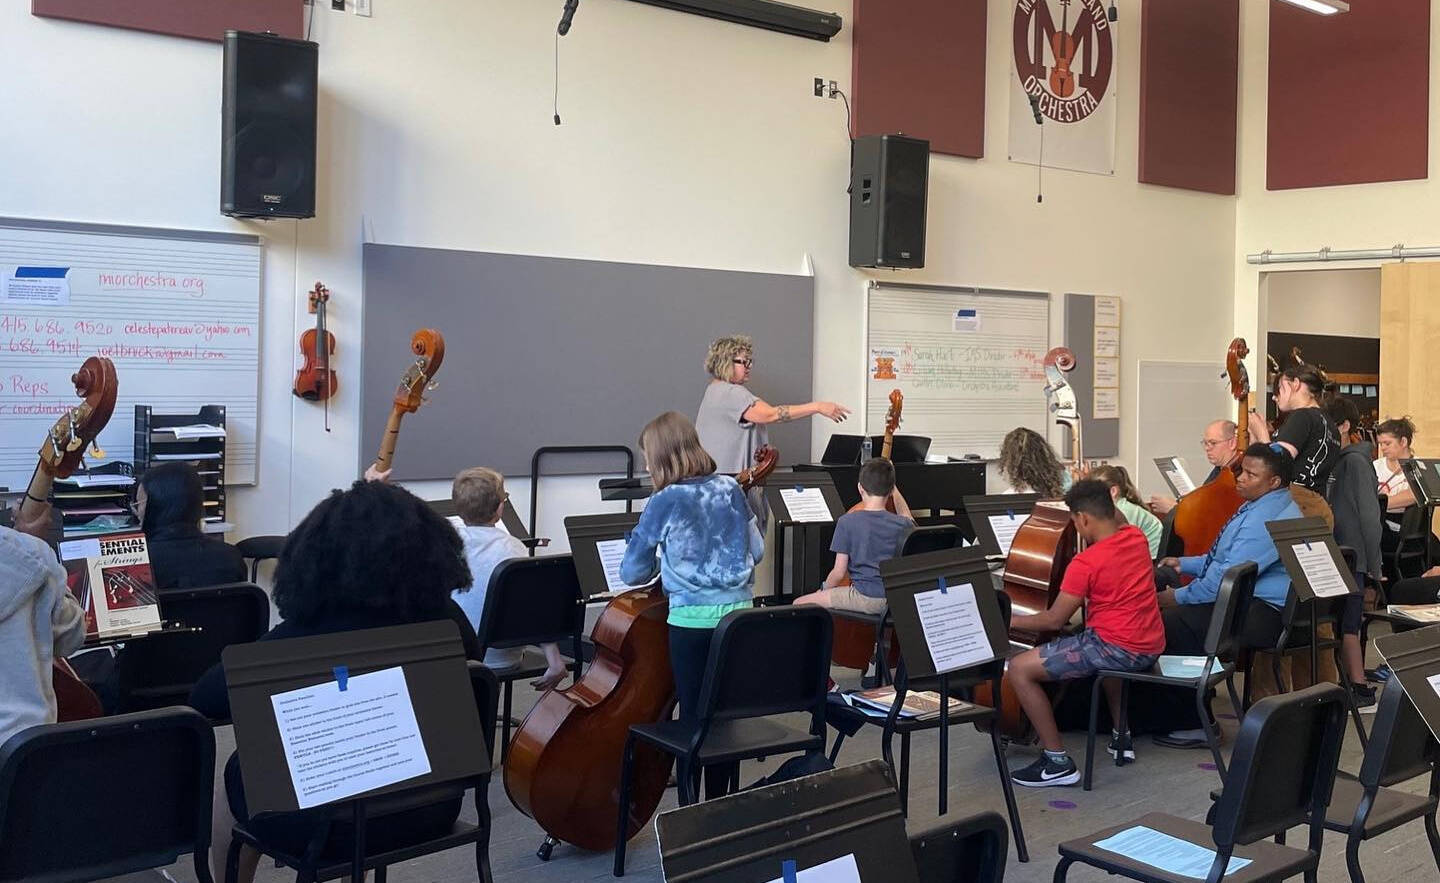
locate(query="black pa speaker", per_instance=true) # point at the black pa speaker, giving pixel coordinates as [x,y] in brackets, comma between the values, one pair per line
[889,175]
[267,147]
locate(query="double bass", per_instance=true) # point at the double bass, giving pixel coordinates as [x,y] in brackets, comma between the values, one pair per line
[1041,550]
[563,767]
[428,347]
[60,454]
[853,643]
[1200,515]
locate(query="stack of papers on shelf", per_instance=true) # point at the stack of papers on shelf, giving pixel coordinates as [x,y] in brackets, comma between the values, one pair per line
[184,456]
[918,706]
[1417,612]
[197,430]
[92,481]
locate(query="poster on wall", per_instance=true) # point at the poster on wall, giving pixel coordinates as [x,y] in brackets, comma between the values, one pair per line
[1064,76]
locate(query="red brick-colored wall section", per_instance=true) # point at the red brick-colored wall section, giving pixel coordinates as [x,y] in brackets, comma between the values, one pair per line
[1189,82]
[1349,94]
[201,19]
[918,67]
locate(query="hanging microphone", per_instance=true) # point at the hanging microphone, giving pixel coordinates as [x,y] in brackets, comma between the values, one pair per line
[567,16]
[1035,109]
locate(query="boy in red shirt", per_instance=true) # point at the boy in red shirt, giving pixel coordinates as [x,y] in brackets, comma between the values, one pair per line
[1123,628]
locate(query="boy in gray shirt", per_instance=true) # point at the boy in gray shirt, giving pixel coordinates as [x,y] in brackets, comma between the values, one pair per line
[863,538]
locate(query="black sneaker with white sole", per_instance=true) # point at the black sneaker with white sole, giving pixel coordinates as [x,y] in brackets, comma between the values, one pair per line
[1121,744]
[1045,772]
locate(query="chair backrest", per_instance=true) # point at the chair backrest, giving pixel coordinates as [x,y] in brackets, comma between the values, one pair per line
[931,538]
[532,601]
[161,669]
[969,850]
[100,798]
[794,644]
[1401,745]
[1232,602]
[1283,766]
[1413,524]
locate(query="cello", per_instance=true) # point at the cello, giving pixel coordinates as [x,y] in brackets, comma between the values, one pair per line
[428,345]
[1041,551]
[563,766]
[1201,514]
[853,644]
[60,454]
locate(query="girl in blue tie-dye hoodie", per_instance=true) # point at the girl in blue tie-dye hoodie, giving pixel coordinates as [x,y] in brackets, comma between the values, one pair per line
[707,543]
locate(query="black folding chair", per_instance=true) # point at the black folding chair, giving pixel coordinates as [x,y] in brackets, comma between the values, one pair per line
[739,701]
[848,720]
[257,549]
[917,541]
[161,669]
[1227,621]
[1281,775]
[530,601]
[968,850]
[342,841]
[99,798]
[1401,748]
[1411,547]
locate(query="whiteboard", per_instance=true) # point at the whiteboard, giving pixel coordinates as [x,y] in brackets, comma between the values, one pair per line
[1177,401]
[970,363]
[178,312]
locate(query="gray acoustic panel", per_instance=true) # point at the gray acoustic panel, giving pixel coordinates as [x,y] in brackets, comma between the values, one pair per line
[1102,437]
[554,351]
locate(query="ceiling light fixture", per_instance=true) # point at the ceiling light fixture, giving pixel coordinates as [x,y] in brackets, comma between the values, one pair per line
[1321,7]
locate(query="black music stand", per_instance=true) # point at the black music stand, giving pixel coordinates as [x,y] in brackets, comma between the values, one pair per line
[436,677]
[1414,657]
[626,490]
[1302,533]
[911,584]
[980,509]
[584,532]
[748,837]
[508,517]
[811,559]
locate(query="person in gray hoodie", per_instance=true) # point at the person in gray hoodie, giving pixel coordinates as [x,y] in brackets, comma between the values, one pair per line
[1351,494]
[39,620]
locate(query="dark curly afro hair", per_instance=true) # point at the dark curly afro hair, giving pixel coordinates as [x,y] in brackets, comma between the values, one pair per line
[373,548]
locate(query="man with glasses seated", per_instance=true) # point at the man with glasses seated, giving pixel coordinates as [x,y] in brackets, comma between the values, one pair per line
[732,419]
[1219,445]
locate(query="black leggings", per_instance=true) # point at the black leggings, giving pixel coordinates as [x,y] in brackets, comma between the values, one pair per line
[689,657]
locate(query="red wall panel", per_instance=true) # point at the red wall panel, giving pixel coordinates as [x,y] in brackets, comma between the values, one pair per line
[201,19]
[1189,83]
[918,67]
[1349,94]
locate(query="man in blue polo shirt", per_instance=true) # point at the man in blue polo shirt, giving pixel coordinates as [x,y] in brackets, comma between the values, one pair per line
[1264,482]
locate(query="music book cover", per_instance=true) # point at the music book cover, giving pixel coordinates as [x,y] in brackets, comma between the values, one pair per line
[111,578]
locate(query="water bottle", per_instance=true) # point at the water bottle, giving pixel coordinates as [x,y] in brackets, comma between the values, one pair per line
[865,450]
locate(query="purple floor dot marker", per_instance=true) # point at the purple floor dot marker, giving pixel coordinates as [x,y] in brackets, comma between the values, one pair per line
[1061,804]
[1207,766]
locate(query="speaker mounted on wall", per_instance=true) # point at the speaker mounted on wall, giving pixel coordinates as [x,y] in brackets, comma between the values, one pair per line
[267,148]
[889,178]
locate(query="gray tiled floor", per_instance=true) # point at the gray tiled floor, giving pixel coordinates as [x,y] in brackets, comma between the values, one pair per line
[1163,779]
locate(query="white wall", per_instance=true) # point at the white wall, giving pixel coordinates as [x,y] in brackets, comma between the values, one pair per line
[1349,217]
[686,141]
[1338,302]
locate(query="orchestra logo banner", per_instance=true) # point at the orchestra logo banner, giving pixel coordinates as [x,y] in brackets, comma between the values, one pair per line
[1065,70]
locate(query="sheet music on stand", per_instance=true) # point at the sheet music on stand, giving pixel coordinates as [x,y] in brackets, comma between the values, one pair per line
[1414,657]
[597,544]
[797,498]
[1312,558]
[995,518]
[1172,469]
[844,824]
[946,613]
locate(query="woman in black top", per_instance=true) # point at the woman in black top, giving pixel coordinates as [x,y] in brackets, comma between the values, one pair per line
[1308,432]
[370,557]
[170,503]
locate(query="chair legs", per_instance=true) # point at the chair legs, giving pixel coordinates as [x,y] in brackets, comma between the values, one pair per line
[505,723]
[1211,725]
[379,874]
[482,846]
[1062,869]
[232,860]
[835,748]
[1352,859]
[1021,852]
[1090,735]
[622,823]
[1433,835]
[905,774]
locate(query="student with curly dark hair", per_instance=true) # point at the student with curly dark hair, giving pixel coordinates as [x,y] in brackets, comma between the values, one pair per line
[369,557]
[1029,464]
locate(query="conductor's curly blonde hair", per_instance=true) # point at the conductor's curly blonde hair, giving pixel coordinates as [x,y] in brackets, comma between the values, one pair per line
[720,360]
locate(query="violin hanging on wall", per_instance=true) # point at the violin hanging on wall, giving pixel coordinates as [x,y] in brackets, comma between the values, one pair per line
[315,381]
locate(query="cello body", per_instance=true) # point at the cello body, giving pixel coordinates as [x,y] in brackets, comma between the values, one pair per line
[1039,555]
[1201,514]
[563,769]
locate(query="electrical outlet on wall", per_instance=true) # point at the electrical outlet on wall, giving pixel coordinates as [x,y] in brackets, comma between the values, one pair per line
[360,7]
[337,5]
